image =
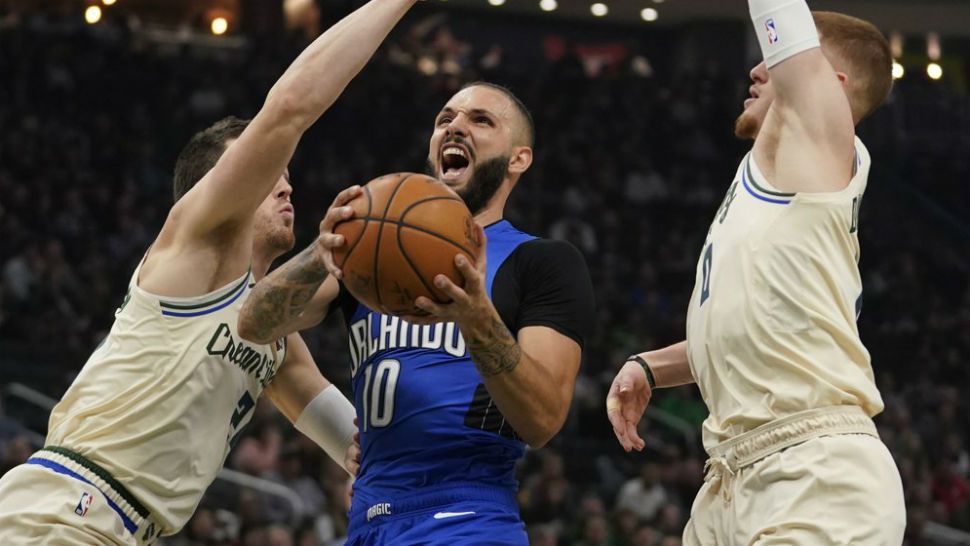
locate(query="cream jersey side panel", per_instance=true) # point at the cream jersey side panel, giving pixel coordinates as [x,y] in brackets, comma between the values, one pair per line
[159,402]
[771,327]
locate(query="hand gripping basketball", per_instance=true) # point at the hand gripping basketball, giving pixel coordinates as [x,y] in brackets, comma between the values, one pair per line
[468,301]
[338,212]
[405,231]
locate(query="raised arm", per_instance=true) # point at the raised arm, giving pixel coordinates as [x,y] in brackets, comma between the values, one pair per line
[232,191]
[295,296]
[807,141]
[298,294]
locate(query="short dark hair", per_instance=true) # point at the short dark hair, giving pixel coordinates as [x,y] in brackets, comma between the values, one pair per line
[530,126]
[203,151]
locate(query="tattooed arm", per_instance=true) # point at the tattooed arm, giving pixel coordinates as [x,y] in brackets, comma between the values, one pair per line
[293,297]
[297,295]
[530,378]
[531,375]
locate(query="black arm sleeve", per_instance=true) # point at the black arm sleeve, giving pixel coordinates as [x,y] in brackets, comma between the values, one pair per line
[546,283]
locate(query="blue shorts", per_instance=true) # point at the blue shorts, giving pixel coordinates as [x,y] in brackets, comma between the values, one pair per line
[453,516]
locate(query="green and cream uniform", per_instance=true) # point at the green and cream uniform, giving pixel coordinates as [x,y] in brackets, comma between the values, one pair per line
[147,423]
[774,347]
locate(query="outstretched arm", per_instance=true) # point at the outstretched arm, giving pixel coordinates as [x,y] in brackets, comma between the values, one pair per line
[298,294]
[807,142]
[295,296]
[314,406]
[232,191]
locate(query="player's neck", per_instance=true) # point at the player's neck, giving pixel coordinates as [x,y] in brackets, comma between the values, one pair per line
[765,149]
[261,262]
[495,209]
[488,216]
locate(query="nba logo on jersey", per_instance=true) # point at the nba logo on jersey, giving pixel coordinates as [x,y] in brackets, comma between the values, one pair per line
[772,31]
[83,504]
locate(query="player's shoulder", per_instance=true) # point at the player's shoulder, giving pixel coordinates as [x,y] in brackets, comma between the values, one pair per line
[549,258]
[550,250]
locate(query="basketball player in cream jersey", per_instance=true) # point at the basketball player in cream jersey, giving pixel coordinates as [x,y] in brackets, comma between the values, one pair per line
[148,422]
[772,341]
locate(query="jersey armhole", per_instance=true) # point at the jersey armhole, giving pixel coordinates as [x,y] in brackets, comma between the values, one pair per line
[853,189]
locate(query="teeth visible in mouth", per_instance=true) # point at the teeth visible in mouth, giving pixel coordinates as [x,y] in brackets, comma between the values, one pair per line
[455,151]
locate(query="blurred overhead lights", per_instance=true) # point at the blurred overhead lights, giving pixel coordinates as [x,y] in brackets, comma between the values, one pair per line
[896,44]
[933,50]
[641,66]
[548,5]
[599,9]
[108,2]
[898,71]
[496,2]
[219,26]
[649,14]
[658,1]
[92,15]
[934,71]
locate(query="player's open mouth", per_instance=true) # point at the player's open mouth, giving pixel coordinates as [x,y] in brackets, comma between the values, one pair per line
[454,161]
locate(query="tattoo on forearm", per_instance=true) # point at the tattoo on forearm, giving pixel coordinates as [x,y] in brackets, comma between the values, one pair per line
[285,293]
[494,350]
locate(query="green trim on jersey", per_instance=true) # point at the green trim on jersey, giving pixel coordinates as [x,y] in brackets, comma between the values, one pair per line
[758,187]
[104,475]
[169,305]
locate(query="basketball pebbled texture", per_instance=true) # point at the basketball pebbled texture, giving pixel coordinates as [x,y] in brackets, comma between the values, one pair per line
[407,229]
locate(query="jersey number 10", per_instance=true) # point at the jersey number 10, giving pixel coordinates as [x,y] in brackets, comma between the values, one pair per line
[380,384]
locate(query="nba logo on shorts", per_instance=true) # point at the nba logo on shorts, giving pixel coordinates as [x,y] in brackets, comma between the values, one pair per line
[83,504]
[772,32]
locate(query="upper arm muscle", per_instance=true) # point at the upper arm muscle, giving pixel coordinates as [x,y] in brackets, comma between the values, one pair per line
[558,355]
[807,141]
[241,179]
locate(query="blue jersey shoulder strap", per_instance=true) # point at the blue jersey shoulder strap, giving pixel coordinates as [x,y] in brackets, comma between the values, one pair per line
[503,239]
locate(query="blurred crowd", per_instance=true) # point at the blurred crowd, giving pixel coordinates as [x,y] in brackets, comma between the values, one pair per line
[630,165]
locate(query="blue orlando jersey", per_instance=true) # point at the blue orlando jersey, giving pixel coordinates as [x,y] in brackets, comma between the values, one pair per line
[425,417]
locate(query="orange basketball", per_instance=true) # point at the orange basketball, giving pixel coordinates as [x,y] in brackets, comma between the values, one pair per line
[407,229]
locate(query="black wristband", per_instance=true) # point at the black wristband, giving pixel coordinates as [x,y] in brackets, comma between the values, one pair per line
[646,369]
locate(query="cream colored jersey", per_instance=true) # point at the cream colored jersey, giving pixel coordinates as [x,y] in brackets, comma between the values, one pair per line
[771,327]
[160,402]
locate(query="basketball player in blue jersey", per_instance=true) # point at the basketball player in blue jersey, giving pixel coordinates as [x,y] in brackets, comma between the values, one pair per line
[146,426]
[447,403]
[772,340]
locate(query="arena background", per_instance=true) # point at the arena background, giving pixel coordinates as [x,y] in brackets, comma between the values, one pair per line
[634,111]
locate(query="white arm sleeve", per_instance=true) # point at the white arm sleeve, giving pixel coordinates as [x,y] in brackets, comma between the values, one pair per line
[784,27]
[328,420]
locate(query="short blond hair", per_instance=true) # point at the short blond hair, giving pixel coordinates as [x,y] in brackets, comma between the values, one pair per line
[867,56]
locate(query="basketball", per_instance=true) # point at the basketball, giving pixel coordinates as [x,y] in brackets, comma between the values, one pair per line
[407,229]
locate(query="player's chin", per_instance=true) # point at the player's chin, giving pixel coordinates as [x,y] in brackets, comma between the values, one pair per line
[285,239]
[746,127]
